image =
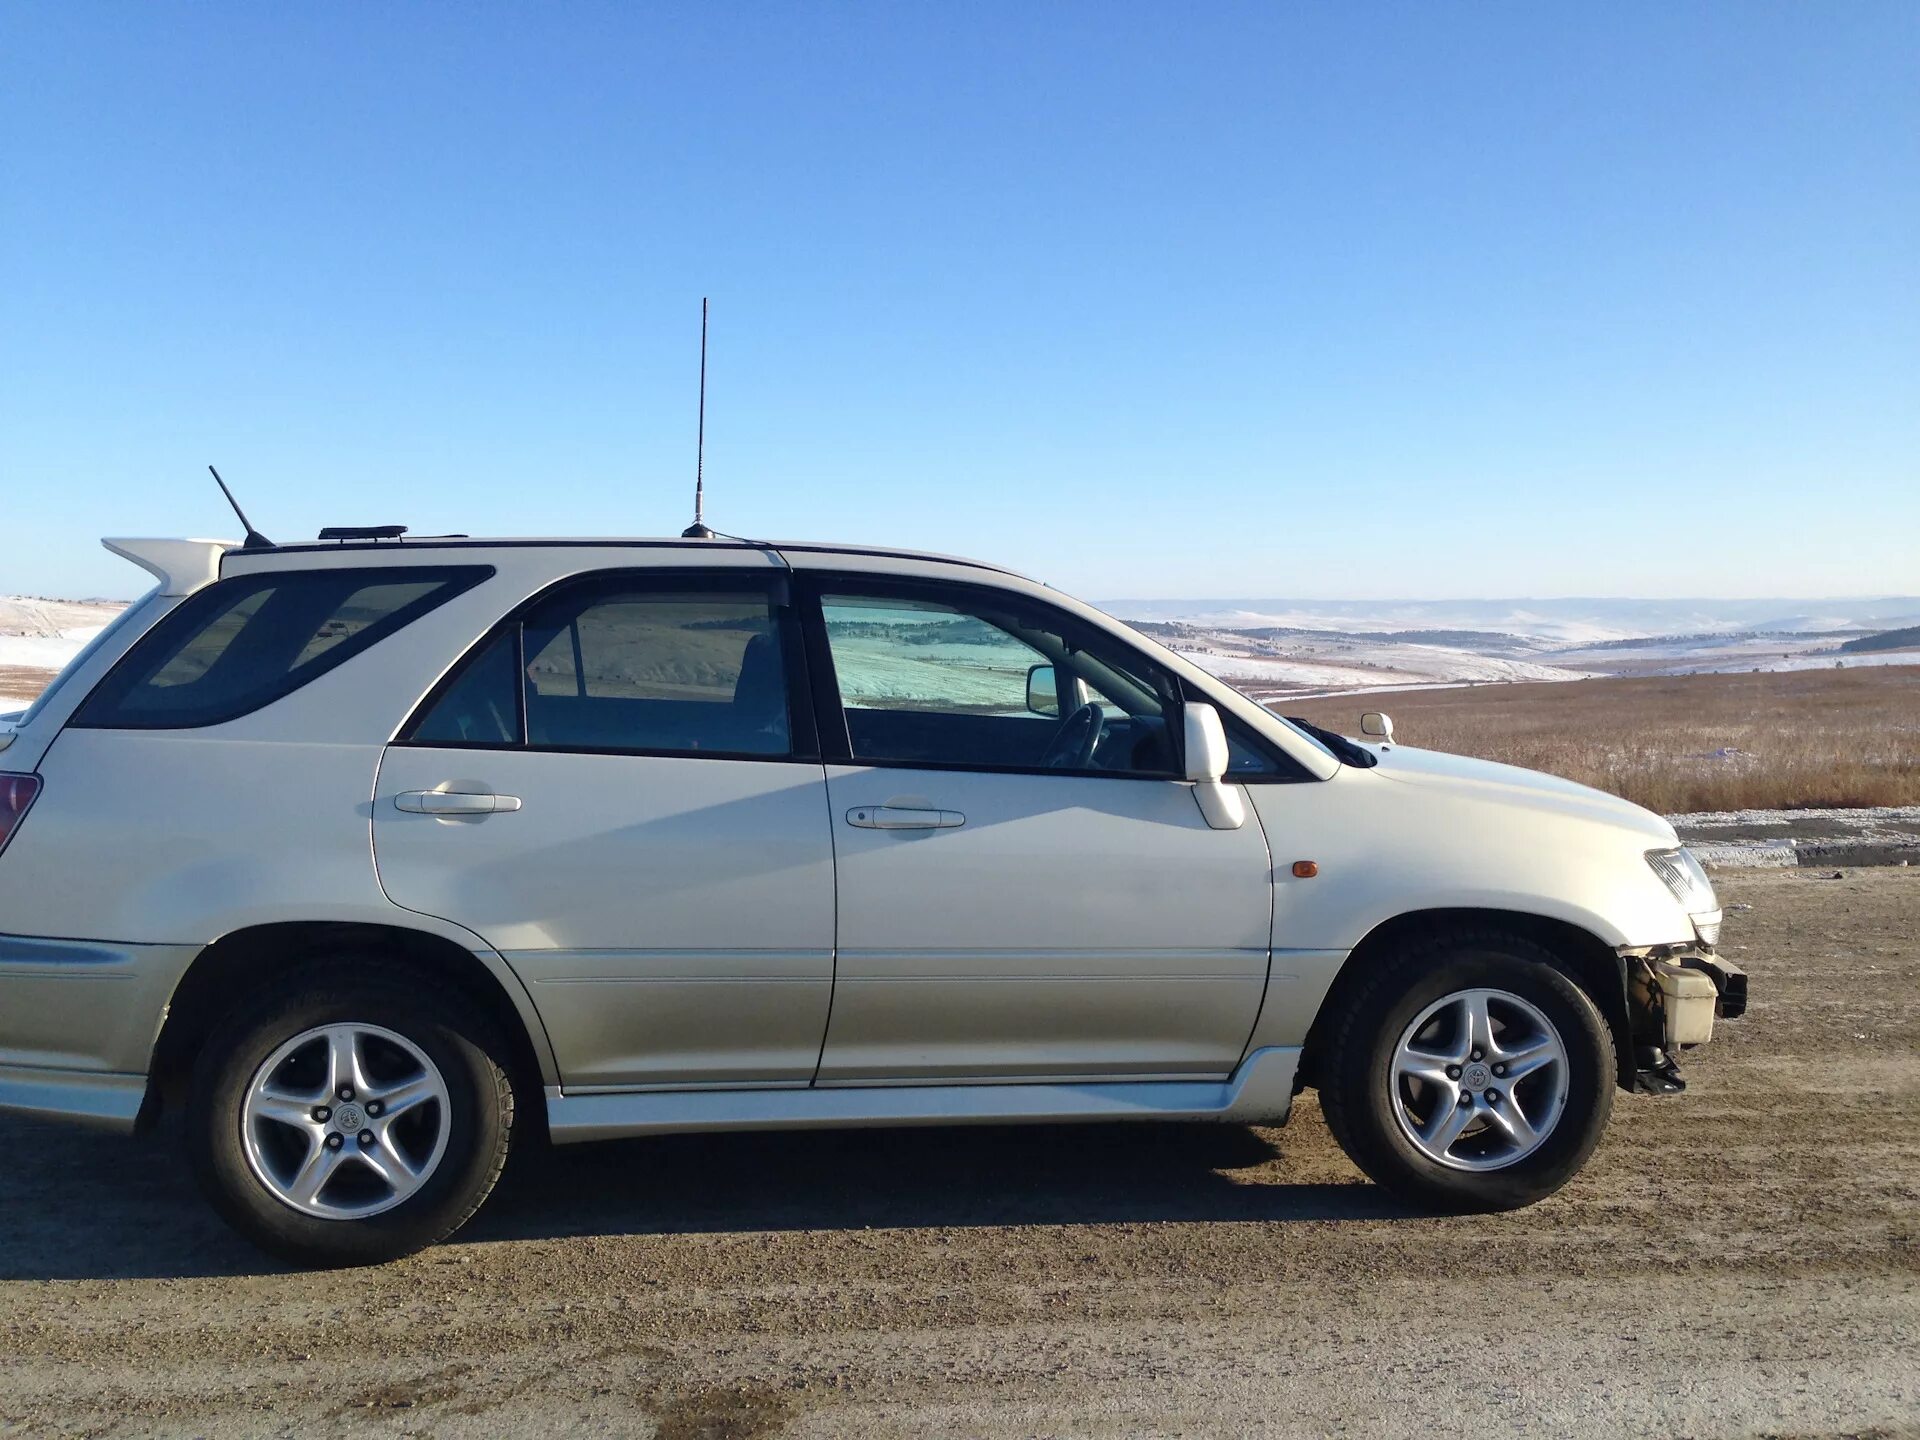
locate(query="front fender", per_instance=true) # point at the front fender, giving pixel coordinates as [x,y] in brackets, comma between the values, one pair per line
[1383,849]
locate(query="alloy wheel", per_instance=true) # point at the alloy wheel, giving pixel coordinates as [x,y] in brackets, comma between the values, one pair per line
[1479,1079]
[345,1121]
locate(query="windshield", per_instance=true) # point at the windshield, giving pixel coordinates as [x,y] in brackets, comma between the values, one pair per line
[1336,745]
[87,651]
[1308,733]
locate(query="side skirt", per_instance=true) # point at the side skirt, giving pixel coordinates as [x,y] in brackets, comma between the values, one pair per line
[86,1097]
[1260,1092]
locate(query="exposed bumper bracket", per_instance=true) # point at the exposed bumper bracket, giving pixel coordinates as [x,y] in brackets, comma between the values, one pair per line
[1655,1072]
[1728,979]
[1674,993]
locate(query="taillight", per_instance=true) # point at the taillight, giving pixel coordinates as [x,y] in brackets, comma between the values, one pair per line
[16,794]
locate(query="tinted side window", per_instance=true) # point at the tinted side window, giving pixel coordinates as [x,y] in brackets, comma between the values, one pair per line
[682,672]
[1249,759]
[699,671]
[481,706]
[931,680]
[246,642]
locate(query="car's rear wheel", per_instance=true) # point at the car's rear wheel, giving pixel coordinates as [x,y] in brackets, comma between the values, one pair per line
[1468,1073]
[346,1120]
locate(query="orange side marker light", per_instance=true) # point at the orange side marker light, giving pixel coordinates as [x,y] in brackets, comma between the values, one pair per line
[1306,869]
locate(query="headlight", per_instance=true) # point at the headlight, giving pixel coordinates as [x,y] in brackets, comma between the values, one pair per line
[1683,875]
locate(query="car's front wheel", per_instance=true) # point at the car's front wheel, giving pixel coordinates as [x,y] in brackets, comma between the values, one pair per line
[345,1120]
[1468,1073]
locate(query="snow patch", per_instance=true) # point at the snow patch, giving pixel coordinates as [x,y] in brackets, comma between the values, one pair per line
[1885,834]
[1360,664]
[45,652]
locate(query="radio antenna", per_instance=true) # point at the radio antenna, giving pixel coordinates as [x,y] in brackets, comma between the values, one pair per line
[698,530]
[255,540]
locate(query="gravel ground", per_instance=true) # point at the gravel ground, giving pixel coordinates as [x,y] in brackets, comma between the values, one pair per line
[1740,1260]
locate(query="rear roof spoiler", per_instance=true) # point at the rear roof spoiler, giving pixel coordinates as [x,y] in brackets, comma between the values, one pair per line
[181,566]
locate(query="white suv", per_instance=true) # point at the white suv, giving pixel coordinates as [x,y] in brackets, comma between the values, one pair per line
[362,856]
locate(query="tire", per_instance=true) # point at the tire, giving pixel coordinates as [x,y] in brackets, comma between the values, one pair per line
[397,1181]
[1392,1125]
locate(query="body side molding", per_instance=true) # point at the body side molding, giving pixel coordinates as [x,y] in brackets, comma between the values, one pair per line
[1259,1092]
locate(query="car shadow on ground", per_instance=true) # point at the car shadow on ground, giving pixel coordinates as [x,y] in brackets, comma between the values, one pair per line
[911,1178]
[80,1204]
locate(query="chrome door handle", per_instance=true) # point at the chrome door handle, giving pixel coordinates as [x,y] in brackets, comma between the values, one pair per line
[453,802]
[899,817]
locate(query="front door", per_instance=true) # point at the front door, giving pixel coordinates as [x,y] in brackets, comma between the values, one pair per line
[1026,889]
[610,792]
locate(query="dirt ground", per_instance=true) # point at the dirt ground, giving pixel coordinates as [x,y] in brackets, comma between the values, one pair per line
[1740,1260]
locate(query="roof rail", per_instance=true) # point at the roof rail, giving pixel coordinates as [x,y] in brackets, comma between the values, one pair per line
[362,532]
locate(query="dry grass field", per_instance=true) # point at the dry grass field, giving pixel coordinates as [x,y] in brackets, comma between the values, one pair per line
[1681,742]
[21,683]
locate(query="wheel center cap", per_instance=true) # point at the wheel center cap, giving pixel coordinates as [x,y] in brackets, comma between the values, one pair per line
[1476,1077]
[349,1118]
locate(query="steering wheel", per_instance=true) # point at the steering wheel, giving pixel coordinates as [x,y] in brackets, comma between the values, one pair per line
[1073,744]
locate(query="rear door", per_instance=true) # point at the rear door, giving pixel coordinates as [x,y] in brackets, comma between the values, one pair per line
[616,791]
[1027,889]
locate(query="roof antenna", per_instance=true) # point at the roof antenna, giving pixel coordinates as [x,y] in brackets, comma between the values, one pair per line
[698,530]
[255,540]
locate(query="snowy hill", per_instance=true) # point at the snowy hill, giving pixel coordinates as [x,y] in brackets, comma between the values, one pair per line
[1565,621]
[39,636]
[1279,648]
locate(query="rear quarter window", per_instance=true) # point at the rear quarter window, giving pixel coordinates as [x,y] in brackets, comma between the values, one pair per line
[243,643]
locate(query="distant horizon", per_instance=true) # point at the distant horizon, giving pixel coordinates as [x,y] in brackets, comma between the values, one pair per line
[1863,597]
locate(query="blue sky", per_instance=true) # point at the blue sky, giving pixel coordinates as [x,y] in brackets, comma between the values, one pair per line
[1148,300]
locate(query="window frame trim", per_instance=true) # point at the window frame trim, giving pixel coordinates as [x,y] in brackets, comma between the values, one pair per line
[802,742]
[457,580]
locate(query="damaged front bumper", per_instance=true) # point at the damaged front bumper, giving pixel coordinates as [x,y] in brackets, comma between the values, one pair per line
[1674,993]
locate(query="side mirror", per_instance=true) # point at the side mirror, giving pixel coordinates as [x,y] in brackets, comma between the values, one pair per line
[1378,726]
[1225,806]
[1206,743]
[1043,690]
